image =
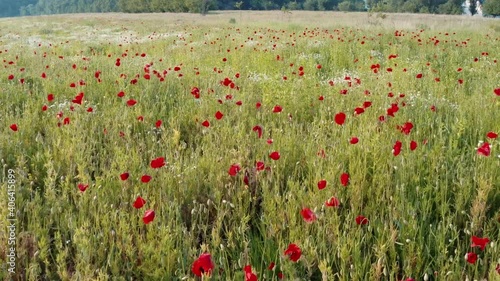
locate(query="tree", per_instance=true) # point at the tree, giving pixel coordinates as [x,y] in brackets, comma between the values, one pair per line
[345,6]
[472,7]
[491,7]
[10,8]
[453,7]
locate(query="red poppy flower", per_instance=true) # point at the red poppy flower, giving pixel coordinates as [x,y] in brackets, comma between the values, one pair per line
[293,252]
[322,184]
[43,75]
[361,220]
[406,128]
[484,149]
[195,91]
[11,77]
[149,216]
[413,145]
[44,107]
[497,91]
[205,123]
[260,166]
[332,202]
[249,275]
[367,104]
[471,258]
[13,127]
[492,135]
[146,178]
[344,179]
[354,140]
[139,202]
[396,150]
[258,105]
[308,215]
[277,109]
[131,102]
[78,98]
[392,110]
[157,162]
[359,110]
[274,155]
[419,75]
[124,176]
[203,265]
[258,129]
[479,242]
[271,266]
[340,118]
[234,170]
[90,109]
[50,97]
[226,82]
[82,187]
[158,124]
[219,115]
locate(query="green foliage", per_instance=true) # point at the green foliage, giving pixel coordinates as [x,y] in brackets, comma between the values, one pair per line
[13,8]
[452,7]
[38,7]
[351,5]
[238,5]
[345,6]
[69,6]
[293,5]
[491,7]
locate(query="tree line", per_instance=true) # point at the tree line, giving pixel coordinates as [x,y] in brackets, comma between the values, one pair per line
[9,8]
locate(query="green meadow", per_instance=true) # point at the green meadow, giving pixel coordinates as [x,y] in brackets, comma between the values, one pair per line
[307,145]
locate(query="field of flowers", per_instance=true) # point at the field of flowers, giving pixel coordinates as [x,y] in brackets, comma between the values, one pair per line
[154,147]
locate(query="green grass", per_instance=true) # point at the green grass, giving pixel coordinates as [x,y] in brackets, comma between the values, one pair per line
[423,206]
